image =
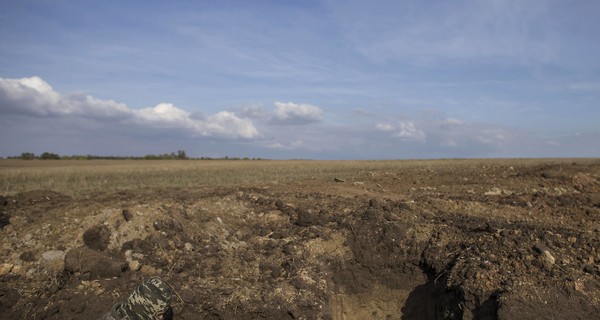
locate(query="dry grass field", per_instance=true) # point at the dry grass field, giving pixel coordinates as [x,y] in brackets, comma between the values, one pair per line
[80,177]
[263,239]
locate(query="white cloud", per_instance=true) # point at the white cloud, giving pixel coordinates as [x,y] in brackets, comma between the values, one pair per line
[408,131]
[296,114]
[453,122]
[35,97]
[405,130]
[384,127]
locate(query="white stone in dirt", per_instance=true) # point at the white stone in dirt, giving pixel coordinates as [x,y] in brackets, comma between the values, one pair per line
[548,258]
[53,255]
[54,259]
[495,191]
[188,246]
[128,254]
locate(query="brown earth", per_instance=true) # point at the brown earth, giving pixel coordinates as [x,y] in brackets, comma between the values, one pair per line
[495,239]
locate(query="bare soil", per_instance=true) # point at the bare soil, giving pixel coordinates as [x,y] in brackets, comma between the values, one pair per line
[497,239]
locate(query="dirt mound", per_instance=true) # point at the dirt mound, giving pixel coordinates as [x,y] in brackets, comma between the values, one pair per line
[421,243]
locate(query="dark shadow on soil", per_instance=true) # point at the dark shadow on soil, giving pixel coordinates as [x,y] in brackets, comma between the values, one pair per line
[488,310]
[433,301]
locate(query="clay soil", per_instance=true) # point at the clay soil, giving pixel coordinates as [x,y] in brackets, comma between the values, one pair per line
[453,239]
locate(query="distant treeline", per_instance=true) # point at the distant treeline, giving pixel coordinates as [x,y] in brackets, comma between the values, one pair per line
[179,155]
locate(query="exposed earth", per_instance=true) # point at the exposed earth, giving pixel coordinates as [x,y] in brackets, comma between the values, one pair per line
[497,239]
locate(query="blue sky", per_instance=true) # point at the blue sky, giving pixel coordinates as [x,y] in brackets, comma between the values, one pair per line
[306,79]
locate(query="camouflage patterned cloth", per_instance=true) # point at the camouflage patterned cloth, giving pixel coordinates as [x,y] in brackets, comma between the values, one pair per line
[151,300]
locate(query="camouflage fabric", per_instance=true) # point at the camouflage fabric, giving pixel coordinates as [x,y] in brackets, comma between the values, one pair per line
[149,301]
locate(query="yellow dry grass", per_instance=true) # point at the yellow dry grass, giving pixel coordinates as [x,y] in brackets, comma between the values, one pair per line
[80,177]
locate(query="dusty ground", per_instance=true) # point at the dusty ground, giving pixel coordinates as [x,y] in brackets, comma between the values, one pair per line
[453,240]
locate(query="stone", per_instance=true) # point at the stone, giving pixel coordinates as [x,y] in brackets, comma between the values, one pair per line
[16,269]
[54,259]
[30,273]
[494,192]
[188,246]
[96,263]
[168,225]
[134,265]
[53,255]
[309,217]
[548,259]
[127,215]
[149,270]
[338,180]
[27,256]
[128,254]
[5,268]
[4,220]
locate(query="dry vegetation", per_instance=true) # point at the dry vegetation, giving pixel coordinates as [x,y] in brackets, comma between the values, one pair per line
[80,177]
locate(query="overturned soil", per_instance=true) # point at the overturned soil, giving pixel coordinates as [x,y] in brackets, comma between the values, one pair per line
[498,239]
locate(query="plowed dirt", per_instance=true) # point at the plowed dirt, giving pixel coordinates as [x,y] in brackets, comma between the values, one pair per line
[499,239]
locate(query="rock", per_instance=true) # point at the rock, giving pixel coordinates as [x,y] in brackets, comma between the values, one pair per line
[96,263]
[134,265]
[546,257]
[128,254]
[53,255]
[188,295]
[27,256]
[4,220]
[16,269]
[373,203]
[97,237]
[168,225]
[30,273]
[188,246]
[5,268]
[149,270]
[127,215]
[494,192]
[54,259]
[338,180]
[279,204]
[309,217]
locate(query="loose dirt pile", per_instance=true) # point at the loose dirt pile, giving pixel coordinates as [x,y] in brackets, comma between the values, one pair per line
[499,240]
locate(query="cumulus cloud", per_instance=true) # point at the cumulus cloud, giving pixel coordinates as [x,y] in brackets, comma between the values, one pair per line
[453,122]
[296,114]
[405,130]
[36,98]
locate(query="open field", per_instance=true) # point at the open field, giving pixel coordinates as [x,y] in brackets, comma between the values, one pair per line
[78,178]
[433,239]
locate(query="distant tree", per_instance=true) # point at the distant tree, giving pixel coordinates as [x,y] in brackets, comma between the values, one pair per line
[49,156]
[27,156]
[181,155]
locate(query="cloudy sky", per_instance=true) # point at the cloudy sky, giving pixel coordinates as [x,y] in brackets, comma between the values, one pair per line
[301,79]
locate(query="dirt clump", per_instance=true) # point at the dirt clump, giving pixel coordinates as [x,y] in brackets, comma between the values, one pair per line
[97,237]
